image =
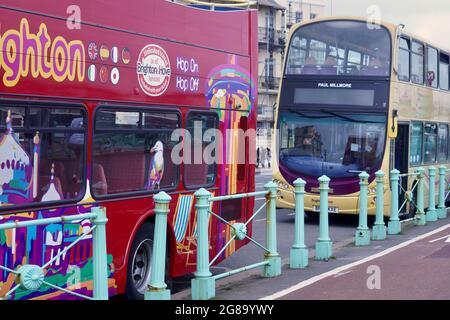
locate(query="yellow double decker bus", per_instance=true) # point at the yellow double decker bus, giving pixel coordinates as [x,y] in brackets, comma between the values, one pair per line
[357,96]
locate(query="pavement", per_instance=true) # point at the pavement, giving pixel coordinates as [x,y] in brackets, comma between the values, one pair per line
[411,265]
[414,270]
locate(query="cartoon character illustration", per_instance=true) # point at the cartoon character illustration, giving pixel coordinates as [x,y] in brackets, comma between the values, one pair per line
[15,169]
[156,166]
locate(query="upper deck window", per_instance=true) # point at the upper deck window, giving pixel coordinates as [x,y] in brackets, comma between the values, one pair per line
[432,67]
[340,48]
[417,63]
[403,59]
[444,72]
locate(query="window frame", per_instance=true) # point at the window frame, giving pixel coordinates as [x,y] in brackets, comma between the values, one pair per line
[421,123]
[427,48]
[423,142]
[443,53]
[208,113]
[141,110]
[423,60]
[446,145]
[27,104]
[409,57]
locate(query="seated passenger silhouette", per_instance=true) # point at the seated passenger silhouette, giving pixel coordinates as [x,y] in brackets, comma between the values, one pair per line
[375,68]
[329,67]
[310,66]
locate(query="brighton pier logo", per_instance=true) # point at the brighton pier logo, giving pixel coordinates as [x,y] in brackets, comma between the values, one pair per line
[153,70]
[23,53]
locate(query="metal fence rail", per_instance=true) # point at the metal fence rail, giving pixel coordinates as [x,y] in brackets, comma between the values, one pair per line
[32,277]
[203,285]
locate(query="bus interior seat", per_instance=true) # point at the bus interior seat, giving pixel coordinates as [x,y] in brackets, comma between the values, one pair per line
[310,66]
[329,67]
[124,171]
[99,184]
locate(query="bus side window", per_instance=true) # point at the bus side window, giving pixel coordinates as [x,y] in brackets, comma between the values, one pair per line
[42,154]
[404,56]
[132,151]
[417,63]
[200,169]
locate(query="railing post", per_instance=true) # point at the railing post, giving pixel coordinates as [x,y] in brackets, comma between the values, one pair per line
[394,225]
[442,210]
[203,286]
[272,269]
[324,245]
[420,218]
[299,251]
[362,235]
[379,228]
[99,256]
[431,212]
[157,287]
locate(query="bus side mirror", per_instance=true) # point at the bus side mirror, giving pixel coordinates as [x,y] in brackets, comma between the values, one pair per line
[393,125]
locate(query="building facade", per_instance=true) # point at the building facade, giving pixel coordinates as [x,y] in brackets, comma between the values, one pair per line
[275,18]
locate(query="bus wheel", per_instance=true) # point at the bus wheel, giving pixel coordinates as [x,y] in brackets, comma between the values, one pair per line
[139,263]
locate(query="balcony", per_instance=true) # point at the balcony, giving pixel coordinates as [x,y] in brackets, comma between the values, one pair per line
[265,113]
[271,37]
[293,17]
[269,82]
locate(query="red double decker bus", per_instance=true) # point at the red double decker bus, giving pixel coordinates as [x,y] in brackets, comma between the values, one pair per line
[91,96]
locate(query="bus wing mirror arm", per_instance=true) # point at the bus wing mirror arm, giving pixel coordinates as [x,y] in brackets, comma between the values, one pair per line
[393,124]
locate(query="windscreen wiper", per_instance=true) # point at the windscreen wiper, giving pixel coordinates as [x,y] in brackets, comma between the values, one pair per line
[336,114]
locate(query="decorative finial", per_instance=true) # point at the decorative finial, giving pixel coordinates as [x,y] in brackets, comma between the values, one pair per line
[8,120]
[53,171]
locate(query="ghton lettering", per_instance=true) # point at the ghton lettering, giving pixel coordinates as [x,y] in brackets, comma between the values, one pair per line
[22,53]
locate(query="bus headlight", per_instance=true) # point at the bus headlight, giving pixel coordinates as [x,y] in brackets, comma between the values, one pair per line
[281,185]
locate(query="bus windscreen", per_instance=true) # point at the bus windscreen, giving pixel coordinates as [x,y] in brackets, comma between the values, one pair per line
[340,48]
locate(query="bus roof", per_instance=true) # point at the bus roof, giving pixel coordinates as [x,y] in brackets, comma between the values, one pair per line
[389,25]
[161,19]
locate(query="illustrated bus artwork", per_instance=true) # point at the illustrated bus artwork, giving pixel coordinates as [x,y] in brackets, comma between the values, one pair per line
[88,122]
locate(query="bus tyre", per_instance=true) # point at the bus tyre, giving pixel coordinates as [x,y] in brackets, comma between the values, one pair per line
[139,262]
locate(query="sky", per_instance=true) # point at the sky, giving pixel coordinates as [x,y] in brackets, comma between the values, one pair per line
[429,19]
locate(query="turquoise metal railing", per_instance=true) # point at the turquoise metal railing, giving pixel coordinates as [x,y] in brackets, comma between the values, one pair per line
[203,285]
[32,277]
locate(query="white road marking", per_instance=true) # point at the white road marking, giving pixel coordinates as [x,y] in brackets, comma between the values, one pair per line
[259,199]
[259,220]
[445,237]
[342,273]
[351,265]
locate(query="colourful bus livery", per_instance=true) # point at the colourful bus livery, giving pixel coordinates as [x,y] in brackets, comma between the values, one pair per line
[24,53]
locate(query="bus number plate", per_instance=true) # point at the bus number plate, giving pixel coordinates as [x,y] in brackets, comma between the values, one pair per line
[330,209]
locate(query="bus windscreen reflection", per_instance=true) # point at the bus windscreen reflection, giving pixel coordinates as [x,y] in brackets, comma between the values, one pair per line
[337,146]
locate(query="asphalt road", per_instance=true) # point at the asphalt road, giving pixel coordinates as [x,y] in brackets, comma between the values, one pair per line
[416,271]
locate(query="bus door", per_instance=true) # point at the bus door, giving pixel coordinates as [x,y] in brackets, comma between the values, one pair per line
[401,158]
